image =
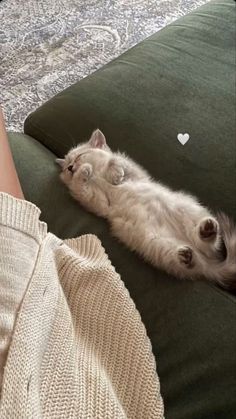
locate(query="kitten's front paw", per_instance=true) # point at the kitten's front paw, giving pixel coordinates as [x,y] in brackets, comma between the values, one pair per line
[118,177]
[208,228]
[115,174]
[85,172]
[185,256]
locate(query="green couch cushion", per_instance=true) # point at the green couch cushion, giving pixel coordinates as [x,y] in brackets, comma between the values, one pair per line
[191,324]
[179,80]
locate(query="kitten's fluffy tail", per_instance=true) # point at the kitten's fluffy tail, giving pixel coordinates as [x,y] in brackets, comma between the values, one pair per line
[225,273]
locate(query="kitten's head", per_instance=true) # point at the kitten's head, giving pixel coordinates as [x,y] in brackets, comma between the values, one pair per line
[95,152]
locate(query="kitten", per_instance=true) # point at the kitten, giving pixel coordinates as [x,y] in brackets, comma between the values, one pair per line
[169,229]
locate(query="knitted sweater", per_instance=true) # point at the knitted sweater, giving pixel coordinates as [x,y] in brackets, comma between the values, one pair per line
[72,344]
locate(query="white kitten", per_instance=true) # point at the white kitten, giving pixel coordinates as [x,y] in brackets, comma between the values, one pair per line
[169,229]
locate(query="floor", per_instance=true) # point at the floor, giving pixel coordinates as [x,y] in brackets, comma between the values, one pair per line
[46,45]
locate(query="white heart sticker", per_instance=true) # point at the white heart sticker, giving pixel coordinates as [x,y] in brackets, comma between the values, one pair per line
[183,138]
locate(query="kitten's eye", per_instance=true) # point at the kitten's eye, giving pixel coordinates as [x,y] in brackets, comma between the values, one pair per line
[70,168]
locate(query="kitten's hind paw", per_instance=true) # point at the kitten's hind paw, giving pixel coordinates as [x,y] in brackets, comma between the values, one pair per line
[208,229]
[185,256]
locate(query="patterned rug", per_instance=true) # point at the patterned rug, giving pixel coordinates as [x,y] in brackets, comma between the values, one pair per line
[46,45]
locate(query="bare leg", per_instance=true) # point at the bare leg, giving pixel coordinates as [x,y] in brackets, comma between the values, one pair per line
[9,181]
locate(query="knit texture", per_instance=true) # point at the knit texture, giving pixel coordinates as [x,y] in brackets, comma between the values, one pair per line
[72,343]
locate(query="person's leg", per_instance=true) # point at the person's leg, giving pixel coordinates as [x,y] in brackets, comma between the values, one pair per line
[11,242]
[9,181]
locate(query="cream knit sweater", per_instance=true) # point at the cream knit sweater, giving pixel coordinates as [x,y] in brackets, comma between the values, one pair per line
[72,344]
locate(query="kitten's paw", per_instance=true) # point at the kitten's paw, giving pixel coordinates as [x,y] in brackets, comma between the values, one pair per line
[185,256]
[85,172]
[208,228]
[115,173]
[118,178]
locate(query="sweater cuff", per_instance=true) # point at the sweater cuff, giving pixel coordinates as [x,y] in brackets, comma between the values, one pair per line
[21,215]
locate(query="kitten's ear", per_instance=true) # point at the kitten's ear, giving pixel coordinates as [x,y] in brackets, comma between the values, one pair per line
[60,162]
[97,139]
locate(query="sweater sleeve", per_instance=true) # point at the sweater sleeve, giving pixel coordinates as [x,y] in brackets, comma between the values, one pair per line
[21,233]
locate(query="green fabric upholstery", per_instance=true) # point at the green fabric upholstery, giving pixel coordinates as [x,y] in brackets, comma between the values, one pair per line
[191,325]
[179,80]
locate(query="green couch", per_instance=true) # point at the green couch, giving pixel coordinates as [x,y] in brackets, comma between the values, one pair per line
[181,80]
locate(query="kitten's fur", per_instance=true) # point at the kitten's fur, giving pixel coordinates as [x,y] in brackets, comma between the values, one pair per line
[169,229]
